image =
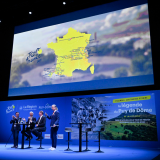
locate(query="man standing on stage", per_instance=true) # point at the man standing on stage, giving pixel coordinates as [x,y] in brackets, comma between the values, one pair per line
[40,126]
[31,124]
[15,128]
[54,125]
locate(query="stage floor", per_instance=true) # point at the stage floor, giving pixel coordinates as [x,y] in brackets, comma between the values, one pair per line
[110,153]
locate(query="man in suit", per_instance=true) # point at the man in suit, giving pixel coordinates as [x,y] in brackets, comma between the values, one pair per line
[40,126]
[31,124]
[15,129]
[54,124]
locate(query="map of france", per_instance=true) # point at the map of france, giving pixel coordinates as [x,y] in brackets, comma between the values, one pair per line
[71,53]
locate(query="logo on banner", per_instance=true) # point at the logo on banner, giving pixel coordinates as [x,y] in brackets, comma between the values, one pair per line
[46,136]
[10,109]
[28,107]
[59,136]
[47,106]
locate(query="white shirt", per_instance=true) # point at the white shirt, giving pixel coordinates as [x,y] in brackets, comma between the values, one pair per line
[30,120]
[54,111]
[40,119]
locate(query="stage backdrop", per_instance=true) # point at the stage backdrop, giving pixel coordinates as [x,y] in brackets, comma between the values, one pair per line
[130,119]
[8,108]
[124,117]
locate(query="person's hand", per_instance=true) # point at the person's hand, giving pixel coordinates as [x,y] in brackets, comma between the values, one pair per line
[23,119]
[13,116]
[46,114]
[36,125]
[54,125]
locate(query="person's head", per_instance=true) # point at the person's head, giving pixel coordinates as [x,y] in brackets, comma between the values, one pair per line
[54,107]
[31,113]
[81,108]
[40,113]
[17,114]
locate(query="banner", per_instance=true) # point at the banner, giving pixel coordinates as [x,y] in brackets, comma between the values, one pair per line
[123,117]
[9,108]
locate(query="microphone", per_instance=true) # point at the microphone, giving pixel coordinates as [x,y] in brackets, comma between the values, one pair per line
[55,126]
[20,120]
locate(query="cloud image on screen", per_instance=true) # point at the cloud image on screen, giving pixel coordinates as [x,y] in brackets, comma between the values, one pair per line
[105,46]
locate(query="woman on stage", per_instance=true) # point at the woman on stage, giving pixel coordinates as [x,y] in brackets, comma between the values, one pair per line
[54,125]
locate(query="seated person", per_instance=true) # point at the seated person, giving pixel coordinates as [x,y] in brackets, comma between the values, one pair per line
[40,126]
[31,124]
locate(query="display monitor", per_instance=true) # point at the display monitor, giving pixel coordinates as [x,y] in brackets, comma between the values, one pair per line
[91,49]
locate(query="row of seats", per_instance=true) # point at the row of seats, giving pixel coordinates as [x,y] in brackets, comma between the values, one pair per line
[69,130]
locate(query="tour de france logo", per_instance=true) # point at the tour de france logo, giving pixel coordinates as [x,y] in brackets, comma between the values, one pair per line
[10,109]
[32,56]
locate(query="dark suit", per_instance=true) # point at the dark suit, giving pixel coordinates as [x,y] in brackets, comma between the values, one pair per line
[15,129]
[41,127]
[30,126]
[54,120]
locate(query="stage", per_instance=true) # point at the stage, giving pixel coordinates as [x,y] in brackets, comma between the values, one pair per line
[110,153]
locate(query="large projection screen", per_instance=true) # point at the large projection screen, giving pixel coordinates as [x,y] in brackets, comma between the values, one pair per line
[102,49]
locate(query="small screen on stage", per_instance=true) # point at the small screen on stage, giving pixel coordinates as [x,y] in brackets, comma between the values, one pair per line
[90,49]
